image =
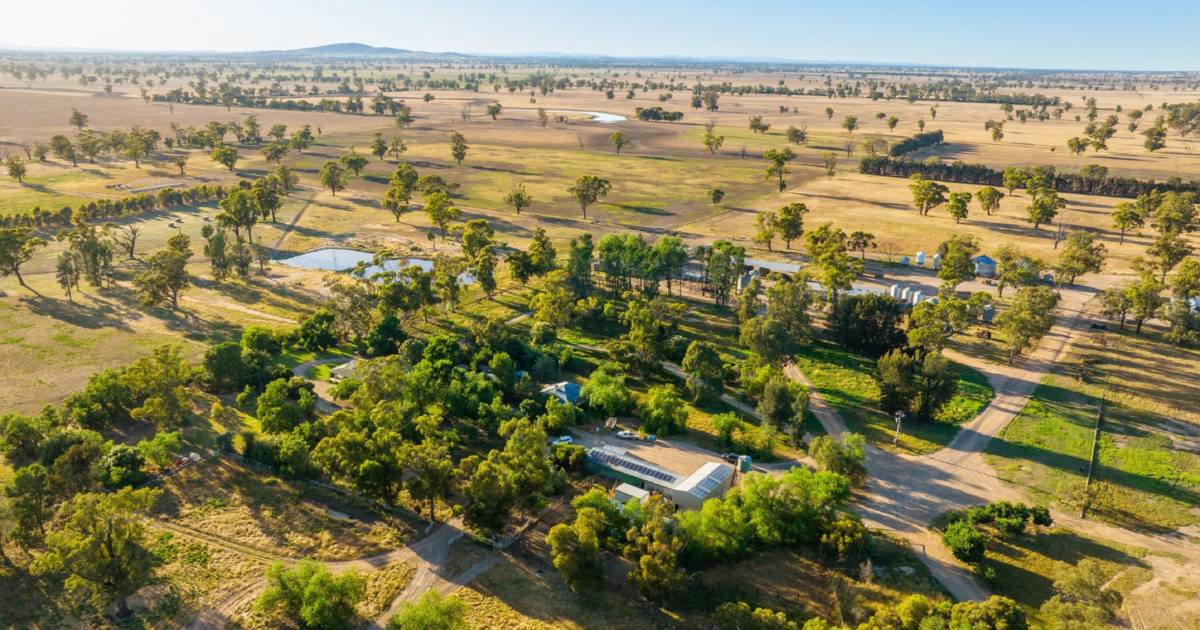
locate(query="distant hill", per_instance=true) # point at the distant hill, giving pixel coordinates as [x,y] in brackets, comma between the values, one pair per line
[347,48]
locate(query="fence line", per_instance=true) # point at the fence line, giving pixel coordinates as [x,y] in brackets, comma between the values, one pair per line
[1087,484]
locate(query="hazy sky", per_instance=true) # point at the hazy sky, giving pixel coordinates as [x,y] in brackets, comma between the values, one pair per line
[1153,34]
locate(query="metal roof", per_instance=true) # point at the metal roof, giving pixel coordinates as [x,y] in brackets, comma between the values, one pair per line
[565,391]
[617,460]
[706,480]
[771,265]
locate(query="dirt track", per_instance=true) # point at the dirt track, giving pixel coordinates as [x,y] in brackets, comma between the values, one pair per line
[905,493]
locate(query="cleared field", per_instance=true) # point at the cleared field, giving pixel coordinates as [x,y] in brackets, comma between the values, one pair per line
[883,206]
[1146,472]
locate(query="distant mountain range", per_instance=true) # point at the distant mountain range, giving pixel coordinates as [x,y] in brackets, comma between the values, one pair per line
[357,50]
[353,49]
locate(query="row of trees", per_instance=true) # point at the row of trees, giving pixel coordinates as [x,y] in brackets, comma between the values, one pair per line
[917,142]
[1084,182]
[101,209]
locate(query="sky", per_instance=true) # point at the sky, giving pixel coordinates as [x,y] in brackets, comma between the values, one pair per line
[1066,34]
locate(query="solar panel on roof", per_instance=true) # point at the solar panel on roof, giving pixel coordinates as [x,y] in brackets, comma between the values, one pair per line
[613,460]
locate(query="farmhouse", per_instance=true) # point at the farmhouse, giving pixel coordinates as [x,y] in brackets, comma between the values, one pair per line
[711,480]
[565,391]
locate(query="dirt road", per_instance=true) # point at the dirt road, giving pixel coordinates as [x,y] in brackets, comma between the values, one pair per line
[905,493]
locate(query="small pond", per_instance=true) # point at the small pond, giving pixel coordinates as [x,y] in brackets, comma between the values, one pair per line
[601,117]
[340,259]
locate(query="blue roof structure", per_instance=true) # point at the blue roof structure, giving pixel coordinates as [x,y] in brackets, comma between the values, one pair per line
[565,391]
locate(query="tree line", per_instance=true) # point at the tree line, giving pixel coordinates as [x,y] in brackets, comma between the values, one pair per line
[917,142]
[1083,182]
[128,206]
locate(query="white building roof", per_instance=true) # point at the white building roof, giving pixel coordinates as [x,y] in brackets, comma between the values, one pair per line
[631,491]
[706,480]
[345,370]
[771,265]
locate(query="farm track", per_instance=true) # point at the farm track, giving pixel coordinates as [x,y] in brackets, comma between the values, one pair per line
[430,553]
[905,493]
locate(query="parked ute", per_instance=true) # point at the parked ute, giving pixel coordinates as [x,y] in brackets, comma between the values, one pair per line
[562,439]
[626,435]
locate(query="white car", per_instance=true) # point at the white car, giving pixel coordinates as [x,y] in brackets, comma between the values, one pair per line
[562,439]
[626,435]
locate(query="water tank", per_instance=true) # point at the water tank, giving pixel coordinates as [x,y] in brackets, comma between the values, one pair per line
[916,297]
[989,312]
[937,262]
[904,260]
[894,291]
[920,259]
[743,463]
[905,293]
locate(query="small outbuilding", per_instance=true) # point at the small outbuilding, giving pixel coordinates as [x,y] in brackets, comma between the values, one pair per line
[985,266]
[624,492]
[345,370]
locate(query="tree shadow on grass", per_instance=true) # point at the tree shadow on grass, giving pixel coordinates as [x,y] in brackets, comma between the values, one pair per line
[1078,466]
[103,314]
[643,209]
[1062,545]
[497,169]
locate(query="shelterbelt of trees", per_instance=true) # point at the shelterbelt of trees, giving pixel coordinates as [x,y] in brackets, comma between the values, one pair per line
[1089,181]
[129,206]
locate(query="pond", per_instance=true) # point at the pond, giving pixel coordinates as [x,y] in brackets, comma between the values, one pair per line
[340,259]
[601,117]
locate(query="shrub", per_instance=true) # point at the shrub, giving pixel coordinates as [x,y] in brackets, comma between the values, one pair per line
[847,458]
[311,595]
[964,541]
[569,457]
